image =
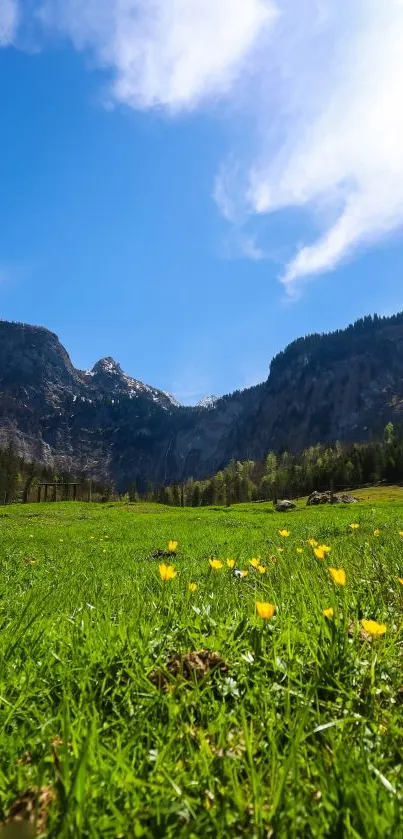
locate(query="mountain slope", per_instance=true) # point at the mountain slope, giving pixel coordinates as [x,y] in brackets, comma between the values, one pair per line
[346,385]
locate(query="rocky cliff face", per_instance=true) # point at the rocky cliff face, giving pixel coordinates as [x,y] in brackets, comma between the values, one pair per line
[346,386]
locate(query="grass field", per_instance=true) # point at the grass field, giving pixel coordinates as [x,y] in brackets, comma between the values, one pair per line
[290,726]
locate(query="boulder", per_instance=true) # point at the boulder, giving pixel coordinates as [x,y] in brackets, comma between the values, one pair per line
[316,498]
[285,506]
[349,499]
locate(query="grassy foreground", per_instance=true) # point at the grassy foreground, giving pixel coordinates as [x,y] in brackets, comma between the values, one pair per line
[286,727]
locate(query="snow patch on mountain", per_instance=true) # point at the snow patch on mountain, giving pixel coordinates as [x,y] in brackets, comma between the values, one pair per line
[208,402]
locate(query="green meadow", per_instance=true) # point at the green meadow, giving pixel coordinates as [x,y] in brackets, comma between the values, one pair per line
[133,706]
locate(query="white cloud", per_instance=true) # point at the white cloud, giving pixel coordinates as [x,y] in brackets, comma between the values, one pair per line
[331,121]
[8,21]
[172,53]
[320,94]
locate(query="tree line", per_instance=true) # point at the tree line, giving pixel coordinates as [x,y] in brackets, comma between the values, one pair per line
[289,475]
[19,480]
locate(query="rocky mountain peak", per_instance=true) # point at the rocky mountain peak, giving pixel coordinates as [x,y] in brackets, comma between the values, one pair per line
[207,402]
[107,366]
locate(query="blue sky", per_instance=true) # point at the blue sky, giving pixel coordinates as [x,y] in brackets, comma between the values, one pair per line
[177,210]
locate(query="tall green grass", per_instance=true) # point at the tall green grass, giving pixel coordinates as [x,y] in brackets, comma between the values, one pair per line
[298,733]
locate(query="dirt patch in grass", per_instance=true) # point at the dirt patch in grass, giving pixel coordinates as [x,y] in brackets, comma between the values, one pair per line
[28,814]
[192,667]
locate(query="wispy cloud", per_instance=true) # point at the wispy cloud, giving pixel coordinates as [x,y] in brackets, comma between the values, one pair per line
[173,53]
[331,122]
[319,85]
[9,15]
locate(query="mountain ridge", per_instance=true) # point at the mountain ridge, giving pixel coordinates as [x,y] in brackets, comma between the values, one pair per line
[342,385]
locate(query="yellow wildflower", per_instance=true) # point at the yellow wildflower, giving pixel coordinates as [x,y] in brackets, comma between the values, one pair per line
[377,532]
[215,564]
[400,580]
[280,550]
[262,569]
[373,627]
[167,572]
[338,575]
[328,613]
[325,549]
[401,533]
[192,587]
[265,610]
[244,572]
[354,526]
[230,563]
[254,562]
[172,546]
[299,551]
[319,553]
[284,533]
[313,543]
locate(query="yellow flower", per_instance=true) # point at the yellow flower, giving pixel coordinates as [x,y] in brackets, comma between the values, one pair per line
[265,610]
[377,532]
[244,572]
[373,627]
[215,564]
[338,575]
[325,549]
[328,613]
[299,551]
[230,563]
[354,526]
[284,533]
[172,546]
[319,553]
[192,587]
[261,569]
[280,550]
[400,580]
[401,533]
[167,572]
[254,562]
[313,543]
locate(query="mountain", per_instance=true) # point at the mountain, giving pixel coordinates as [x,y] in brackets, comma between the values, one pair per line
[207,402]
[345,385]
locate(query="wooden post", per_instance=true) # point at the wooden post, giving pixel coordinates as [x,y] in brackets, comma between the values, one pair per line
[39,494]
[54,493]
[46,492]
[90,492]
[332,491]
[74,492]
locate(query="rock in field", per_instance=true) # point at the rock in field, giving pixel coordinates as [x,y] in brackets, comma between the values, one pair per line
[285,506]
